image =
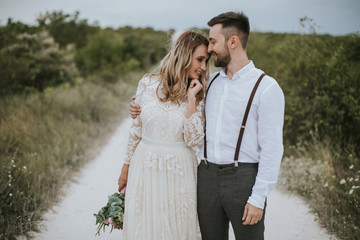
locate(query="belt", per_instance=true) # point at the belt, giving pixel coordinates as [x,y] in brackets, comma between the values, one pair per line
[229,165]
[155,142]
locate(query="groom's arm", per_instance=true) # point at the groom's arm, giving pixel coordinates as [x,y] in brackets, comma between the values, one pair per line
[270,139]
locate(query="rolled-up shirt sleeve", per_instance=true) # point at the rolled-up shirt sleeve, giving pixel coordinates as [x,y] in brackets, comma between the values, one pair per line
[270,139]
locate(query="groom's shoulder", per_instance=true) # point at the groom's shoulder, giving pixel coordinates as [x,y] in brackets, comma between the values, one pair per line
[267,80]
[212,75]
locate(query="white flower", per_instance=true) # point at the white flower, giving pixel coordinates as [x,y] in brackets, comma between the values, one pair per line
[326,184]
[342,181]
[351,191]
[351,167]
[24,167]
[351,179]
[10,194]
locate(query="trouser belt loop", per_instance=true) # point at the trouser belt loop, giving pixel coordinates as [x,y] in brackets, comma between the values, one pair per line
[206,163]
[236,164]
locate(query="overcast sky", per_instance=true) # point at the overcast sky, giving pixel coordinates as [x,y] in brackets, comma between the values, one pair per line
[335,17]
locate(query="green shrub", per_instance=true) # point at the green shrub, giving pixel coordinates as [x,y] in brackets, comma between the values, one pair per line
[319,75]
[34,63]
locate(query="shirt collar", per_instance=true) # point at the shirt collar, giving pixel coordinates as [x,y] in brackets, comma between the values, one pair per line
[242,72]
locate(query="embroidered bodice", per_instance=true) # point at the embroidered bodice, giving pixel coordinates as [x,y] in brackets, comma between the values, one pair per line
[163,121]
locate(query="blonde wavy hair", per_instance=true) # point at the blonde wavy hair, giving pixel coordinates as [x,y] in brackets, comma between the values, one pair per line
[174,68]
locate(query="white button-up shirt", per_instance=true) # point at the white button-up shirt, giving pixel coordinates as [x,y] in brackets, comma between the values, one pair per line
[263,137]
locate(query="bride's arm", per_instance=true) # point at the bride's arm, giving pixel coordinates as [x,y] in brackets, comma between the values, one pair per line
[135,135]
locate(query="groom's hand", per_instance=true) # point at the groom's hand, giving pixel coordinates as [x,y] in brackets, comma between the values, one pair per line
[134,109]
[252,215]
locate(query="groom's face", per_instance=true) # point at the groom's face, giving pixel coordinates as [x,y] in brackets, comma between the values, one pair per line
[218,46]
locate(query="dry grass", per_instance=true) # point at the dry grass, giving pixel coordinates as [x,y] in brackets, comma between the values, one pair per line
[328,177]
[46,137]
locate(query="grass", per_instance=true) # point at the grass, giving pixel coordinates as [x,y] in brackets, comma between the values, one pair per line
[327,176]
[46,137]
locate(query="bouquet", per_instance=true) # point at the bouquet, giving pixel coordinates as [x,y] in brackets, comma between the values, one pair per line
[112,214]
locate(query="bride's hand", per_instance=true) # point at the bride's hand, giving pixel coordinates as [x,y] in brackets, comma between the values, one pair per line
[123,177]
[194,87]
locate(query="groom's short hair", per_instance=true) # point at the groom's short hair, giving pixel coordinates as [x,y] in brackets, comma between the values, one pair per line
[233,23]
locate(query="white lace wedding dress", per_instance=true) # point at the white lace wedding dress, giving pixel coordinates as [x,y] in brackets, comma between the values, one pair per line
[161,189]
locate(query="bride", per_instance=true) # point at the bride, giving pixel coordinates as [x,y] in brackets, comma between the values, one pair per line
[160,166]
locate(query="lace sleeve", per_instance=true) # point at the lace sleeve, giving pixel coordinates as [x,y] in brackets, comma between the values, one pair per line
[194,127]
[136,125]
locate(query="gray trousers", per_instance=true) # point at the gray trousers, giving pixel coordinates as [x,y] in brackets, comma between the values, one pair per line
[222,193]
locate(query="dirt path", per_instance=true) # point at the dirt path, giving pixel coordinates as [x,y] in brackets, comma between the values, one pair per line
[287,216]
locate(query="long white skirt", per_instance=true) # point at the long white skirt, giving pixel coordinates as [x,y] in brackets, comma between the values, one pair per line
[160,201]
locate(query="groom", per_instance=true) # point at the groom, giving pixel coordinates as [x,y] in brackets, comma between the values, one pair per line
[230,190]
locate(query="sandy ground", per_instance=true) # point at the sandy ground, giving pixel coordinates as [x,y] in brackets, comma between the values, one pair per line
[287,216]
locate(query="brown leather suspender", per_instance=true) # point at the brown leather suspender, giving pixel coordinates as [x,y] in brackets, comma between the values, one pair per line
[205,149]
[242,129]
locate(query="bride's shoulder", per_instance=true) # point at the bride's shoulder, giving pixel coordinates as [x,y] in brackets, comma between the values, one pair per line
[149,80]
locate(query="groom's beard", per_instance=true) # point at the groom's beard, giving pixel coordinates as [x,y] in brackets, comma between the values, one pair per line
[223,59]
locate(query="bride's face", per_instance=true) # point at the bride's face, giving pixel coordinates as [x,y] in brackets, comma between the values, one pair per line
[199,61]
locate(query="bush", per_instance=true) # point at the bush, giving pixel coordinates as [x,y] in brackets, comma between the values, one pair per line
[106,53]
[67,28]
[110,54]
[34,63]
[321,84]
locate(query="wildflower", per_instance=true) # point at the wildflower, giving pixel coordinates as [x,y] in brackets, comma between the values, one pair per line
[342,181]
[9,184]
[351,167]
[12,161]
[10,194]
[351,179]
[351,191]
[24,167]
[326,184]
[108,220]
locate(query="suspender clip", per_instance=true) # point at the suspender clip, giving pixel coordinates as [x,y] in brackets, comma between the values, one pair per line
[236,163]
